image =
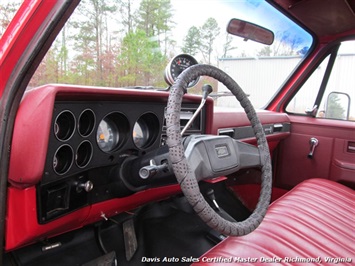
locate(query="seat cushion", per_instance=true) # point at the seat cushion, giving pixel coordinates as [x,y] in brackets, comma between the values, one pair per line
[314,222]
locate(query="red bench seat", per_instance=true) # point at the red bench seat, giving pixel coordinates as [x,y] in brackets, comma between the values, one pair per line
[313,223]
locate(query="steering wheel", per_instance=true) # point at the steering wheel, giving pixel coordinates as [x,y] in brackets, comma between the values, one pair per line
[212,156]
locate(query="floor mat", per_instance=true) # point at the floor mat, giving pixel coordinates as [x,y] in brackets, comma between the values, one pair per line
[176,237]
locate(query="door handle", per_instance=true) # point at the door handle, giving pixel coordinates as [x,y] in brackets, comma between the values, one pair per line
[314,143]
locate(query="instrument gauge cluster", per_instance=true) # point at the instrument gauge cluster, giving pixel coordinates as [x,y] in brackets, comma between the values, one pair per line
[96,140]
[87,135]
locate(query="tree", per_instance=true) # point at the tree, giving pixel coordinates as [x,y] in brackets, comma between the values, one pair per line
[48,70]
[93,29]
[208,32]
[192,41]
[84,62]
[285,44]
[154,18]
[140,59]
[334,107]
[7,12]
[63,55]
[266,51]
[228,45]
[127,18]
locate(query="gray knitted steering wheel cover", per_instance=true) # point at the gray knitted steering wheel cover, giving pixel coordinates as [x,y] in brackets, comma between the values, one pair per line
[184,175]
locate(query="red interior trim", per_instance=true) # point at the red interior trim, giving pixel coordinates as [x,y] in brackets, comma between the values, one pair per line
[22,227]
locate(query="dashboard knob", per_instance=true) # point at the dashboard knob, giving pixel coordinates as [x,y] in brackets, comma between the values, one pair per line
[87,186]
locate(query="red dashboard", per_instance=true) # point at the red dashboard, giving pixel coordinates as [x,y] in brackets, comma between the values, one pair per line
[45,200]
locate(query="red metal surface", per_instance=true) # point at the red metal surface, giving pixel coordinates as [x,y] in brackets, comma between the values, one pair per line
[21,220]
[22,227]
[21,30]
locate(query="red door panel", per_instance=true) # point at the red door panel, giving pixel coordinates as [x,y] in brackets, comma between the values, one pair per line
[343,162]
[333,158]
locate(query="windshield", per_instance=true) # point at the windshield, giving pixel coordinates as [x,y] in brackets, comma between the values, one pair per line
[129,43]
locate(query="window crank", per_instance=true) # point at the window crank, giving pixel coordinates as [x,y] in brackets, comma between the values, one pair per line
[314,143]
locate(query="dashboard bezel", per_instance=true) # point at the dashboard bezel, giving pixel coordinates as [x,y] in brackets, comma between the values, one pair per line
[29,144]
[31,138]
[40,146]
[125,147]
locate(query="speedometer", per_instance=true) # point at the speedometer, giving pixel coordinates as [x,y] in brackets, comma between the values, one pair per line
[112,132]
[177,65]
[107,135]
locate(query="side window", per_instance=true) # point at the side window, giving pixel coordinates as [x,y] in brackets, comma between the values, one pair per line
[338,99]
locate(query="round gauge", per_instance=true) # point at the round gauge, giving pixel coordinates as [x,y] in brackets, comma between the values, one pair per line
[140,133]
[63,159]
[107,135]
[64,125]
[177,65]
[145,130]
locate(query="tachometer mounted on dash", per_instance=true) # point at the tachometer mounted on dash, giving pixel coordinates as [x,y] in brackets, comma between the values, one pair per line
[176,66]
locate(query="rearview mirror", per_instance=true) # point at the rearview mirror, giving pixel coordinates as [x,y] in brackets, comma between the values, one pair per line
[250,31]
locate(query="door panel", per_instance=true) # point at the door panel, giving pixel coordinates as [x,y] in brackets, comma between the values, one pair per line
[334,156]
[343,162]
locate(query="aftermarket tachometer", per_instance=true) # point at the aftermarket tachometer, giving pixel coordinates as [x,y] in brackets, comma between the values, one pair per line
[177,65]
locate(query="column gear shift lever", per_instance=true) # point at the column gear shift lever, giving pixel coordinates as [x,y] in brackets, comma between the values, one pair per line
[207,89]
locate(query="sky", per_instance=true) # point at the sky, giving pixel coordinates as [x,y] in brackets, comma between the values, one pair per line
[190,13]
[194,13]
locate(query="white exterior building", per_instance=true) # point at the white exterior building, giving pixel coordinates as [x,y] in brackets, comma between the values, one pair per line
[260,81]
